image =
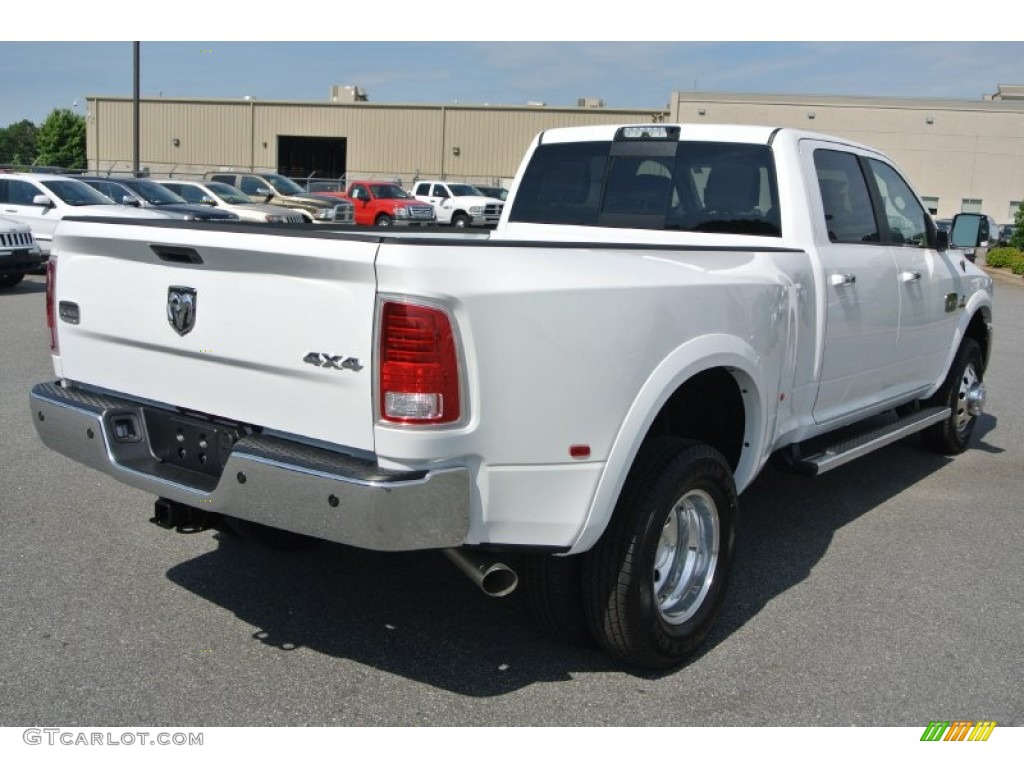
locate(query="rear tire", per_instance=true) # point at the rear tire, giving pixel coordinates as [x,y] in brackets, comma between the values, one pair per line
[654,583]
[551,594]
[963,392]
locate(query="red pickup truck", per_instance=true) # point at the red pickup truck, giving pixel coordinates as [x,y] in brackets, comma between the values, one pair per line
[385,204]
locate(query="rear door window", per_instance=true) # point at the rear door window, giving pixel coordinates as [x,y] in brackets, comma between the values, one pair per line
[845,200]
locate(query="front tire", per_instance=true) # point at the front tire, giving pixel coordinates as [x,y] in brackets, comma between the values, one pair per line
[460,221]
[963,392]
[9,281]
[384,221]
[654,583]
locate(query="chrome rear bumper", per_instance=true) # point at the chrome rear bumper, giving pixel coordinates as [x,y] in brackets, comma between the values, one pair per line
[265,479]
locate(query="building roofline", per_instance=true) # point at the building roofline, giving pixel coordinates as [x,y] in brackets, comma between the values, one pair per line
[371,105]
[881,102]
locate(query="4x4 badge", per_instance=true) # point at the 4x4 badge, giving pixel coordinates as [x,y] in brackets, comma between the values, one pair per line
[337,362]
[181,308]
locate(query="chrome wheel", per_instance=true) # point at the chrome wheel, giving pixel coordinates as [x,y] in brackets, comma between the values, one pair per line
[970,398]
[963,392]
[685,560]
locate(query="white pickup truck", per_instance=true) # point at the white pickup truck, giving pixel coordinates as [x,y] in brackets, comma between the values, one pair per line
[570,403]
[460,205]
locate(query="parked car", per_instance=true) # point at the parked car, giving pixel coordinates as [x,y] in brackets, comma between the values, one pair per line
[460,205]
[384,204]
[1005,233]
[280,190]
[19,252]
[41,200]
[498,193]
[224,197]
[145,193]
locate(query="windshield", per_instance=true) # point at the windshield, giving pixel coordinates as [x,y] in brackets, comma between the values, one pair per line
[228,194]
[388,192]
[283,185]
[75,192]
[464,190]
[153,193]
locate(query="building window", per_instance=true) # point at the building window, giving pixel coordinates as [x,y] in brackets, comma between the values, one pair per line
[970,205]
[932,204]
[1014,205]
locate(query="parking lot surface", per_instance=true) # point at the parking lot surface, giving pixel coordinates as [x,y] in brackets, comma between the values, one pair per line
[885,593]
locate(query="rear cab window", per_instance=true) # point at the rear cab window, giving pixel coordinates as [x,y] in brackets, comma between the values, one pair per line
[661,184]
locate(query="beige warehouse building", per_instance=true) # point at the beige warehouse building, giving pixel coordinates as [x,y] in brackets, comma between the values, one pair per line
[960,155]
[480,143]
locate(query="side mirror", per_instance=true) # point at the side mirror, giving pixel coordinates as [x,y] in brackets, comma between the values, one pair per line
[42,200]
[966,231]
[207,201]
[129,200]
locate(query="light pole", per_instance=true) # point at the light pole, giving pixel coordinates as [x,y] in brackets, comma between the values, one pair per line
[135,109]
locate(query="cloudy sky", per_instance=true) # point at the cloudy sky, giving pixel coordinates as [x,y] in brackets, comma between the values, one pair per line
[415,66]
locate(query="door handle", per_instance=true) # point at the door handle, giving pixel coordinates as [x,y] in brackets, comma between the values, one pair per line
[909,277]
[838,279]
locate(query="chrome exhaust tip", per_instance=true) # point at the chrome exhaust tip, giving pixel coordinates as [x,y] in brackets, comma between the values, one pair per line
[495,578]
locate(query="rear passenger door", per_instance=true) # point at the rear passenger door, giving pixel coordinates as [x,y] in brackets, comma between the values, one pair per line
[861,300]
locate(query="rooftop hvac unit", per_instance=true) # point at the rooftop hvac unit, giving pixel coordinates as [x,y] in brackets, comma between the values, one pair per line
[348,93]
[590,103]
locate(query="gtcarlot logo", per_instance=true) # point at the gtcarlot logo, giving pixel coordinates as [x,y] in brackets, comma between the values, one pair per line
[79,738]
[958,730]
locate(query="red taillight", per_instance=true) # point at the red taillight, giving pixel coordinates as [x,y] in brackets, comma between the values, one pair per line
[51,304]
[419,366]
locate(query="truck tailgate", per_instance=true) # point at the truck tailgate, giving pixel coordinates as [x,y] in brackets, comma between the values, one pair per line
[280,334]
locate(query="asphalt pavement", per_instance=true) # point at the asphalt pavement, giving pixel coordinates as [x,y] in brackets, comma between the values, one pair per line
[885,593]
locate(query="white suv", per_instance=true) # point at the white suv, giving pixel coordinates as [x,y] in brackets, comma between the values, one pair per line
[460,205]
[18,253]
[41,200]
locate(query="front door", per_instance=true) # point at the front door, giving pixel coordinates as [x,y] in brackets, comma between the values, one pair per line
[928,281]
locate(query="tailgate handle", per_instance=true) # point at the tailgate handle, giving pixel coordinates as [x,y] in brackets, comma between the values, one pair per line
[177,254]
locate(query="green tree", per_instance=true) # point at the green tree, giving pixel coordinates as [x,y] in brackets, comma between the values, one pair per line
[60,140]
[18,143]
[1017,238]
